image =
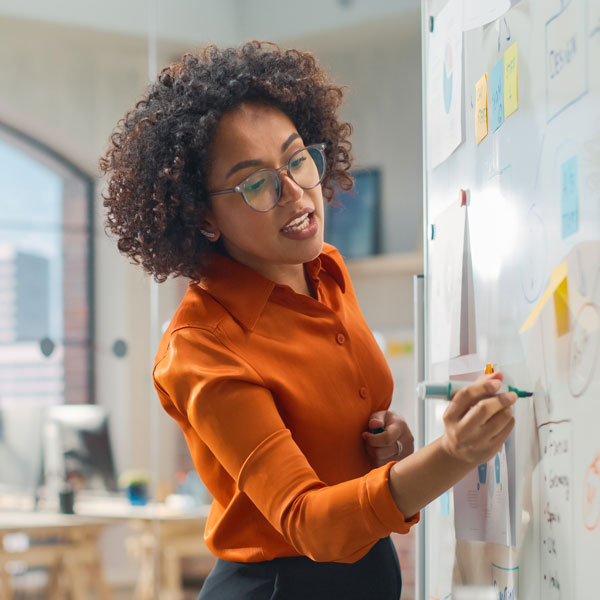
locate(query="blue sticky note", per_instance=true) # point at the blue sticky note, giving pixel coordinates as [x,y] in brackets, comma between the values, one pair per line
[569,198]
[445,503]
[497,95]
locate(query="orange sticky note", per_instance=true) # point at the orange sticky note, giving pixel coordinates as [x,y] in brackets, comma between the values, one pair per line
[511,80]
[561,307]
[481,116]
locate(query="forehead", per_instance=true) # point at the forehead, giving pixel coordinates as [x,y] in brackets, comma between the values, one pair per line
[251,128]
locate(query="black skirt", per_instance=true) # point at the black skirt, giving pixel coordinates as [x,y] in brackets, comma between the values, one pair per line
[376,576]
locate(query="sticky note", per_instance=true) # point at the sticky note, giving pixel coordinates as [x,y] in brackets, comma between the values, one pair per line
[559,274]
[569,198]
[481,118]
[561,308]
[511,80]
[497,95]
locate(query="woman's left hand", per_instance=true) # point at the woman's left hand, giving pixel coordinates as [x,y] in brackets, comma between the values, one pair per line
[395,443]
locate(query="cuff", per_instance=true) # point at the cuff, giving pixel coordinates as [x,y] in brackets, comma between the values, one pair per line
[382,503]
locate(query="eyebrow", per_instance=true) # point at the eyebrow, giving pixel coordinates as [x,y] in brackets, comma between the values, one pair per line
[255,162]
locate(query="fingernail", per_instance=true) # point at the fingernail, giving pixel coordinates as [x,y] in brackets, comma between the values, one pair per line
[495,384]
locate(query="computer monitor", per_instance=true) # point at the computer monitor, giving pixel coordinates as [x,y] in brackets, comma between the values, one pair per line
[77,440]
[20,448]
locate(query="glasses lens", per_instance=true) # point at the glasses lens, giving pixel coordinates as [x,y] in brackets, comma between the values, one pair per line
[261,189]
[307,167]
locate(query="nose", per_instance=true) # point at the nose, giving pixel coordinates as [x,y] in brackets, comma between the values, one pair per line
[290,190]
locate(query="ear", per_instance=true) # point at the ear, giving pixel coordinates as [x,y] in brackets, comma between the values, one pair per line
[209,229]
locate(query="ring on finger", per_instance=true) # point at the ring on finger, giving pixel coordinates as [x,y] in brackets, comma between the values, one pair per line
[399,447]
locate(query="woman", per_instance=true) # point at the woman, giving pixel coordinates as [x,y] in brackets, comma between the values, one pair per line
[219,174]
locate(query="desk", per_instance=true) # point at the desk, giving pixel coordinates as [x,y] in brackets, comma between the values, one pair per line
[74,548]
[161,536]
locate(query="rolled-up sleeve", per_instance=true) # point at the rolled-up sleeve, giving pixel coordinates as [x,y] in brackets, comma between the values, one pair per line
[234,414]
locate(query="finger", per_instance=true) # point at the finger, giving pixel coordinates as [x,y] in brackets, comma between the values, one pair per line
[504,432]
[379,440]
[498,375]
[471,395]
[497,423]
[486,409]
[408,447]
[377,420]
[498,440]
[394,430]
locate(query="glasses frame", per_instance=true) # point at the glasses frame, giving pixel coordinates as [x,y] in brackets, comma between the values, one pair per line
[238,188]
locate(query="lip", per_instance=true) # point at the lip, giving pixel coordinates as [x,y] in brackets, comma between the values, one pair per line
[300,213]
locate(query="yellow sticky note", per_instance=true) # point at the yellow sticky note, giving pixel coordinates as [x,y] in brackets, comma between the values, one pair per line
[559,275]
[511,80]
[561,308]
[481,117]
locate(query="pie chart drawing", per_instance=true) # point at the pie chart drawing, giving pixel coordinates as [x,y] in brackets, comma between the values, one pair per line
[448,77]
[535,250]
[584,349]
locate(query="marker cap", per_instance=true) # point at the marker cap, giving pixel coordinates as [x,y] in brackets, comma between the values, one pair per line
[433,390]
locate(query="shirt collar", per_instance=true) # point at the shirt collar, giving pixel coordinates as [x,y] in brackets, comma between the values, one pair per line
[244,292]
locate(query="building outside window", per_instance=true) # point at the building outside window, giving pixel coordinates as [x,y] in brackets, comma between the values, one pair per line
[45,276]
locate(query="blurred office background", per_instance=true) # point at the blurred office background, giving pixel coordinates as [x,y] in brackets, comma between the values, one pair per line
[79,325]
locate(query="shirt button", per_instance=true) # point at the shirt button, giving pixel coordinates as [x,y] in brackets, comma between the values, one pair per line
[340,338]
[364,391]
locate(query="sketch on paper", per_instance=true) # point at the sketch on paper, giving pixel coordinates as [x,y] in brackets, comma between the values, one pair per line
[506,582]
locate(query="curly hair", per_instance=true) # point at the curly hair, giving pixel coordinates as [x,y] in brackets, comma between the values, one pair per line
[160,151]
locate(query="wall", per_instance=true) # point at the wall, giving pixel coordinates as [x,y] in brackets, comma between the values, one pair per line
[380,63]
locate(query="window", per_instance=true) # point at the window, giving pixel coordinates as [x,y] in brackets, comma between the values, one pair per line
[45,276]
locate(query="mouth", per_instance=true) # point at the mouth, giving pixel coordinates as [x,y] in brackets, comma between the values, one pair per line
[298,222]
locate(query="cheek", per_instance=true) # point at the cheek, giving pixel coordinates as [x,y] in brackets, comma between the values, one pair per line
[243,225]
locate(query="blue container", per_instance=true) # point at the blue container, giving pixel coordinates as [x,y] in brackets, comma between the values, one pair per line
[137,494]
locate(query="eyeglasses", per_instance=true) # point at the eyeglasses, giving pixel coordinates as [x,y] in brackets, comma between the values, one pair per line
[262,190]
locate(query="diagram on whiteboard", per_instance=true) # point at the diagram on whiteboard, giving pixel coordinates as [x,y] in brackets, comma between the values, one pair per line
[591,495]
[556,504]
[535,254]
[481,503]
[584,348]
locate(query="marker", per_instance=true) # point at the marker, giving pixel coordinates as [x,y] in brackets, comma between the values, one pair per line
[447,389]
[377,430]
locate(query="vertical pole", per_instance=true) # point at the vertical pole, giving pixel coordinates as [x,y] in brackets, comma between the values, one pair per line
[154,337]
[419,365]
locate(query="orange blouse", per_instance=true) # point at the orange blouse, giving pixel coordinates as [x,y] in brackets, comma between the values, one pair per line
[272,390]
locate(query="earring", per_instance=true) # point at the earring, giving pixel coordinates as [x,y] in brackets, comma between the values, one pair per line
[208,234]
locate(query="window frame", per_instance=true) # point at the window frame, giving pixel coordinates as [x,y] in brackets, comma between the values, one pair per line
[53,160]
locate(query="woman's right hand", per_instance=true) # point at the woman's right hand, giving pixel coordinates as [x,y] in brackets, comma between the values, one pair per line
[477,423]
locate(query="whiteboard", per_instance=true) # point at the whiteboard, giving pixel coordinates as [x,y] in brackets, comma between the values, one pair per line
[512,278]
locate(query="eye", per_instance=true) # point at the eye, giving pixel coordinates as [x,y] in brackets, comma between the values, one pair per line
[254,186]
[296,163]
